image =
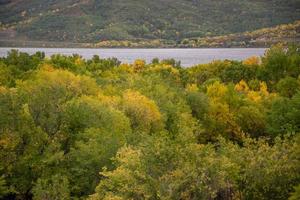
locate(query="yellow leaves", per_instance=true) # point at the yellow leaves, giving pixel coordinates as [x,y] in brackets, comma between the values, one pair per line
[166,71]
[221,116]
[112,101]
[242,86]
[53,79]
[126,67]
[8,141]
[220,111]
[127,178]
[192,87]
[47,67]
[222,121]
[3,89]
[143,112]
[166,67]
[139,65]
[263,89]
[254,60]
[128,156]
[256,96]
[217,90]
[79,61]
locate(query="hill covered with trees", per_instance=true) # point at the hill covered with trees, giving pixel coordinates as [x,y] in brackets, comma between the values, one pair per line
[94,21]
[96,129]
[266,37]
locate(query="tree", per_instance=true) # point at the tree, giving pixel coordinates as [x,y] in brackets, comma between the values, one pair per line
[54,188]
[92,151]
[280,62]
[237,71]
[139,65]
[267,171]
[6,76]
[284,115]
[162,168]
[251,120]
[254,60]
[143,112]
[288,86]
[296,194]
[199,104]
[127,181]
[23,62]
[220,119]
[90,112]
[48,90]
[3,187]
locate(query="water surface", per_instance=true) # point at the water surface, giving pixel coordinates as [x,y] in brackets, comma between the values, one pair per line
[188,57]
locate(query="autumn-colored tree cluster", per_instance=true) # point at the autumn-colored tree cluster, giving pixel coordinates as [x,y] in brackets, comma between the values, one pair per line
[95,129]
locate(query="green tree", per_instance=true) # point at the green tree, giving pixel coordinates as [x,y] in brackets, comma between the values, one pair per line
[288,86]
[95,133]
[3,187]
[48,90]
[252,120]
[284,115]
[296,194]
[198,103]
[54,188]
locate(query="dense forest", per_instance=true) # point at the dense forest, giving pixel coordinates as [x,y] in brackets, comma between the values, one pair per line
[75,128]
[94,21]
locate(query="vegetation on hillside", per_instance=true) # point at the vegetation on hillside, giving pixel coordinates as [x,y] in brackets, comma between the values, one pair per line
[266,37]
[72,128]
[93,21]
[285,34]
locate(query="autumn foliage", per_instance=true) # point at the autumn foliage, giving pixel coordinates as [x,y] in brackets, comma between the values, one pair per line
[72,128]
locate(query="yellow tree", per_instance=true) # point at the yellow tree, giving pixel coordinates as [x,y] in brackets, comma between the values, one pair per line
[143,112]
[220,118]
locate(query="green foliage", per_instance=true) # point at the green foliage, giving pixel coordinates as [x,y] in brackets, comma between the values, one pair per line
[288,86]
[280,62]
[54,188]
[252,120]
[198,103]
[237,72]
[295,195]
[169,170]
[266,172]
[263,37]
[141,21]
[72,128]
[143,112]
[3,187]
[90,153]
[284,115]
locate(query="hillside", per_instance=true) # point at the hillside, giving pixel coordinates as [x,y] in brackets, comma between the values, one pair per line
[93,21]
[286,33]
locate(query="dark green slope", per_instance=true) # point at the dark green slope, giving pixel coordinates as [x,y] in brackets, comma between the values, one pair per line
[97,20]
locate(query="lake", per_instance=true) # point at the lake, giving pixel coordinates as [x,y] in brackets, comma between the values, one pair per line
[188,57]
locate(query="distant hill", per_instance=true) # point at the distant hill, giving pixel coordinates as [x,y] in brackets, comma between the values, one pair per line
[286,34]
[95,21]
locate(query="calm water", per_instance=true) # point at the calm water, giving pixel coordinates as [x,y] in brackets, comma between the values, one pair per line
[188,57]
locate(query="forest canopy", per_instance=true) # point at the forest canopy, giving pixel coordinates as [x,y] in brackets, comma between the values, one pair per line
[75,128]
